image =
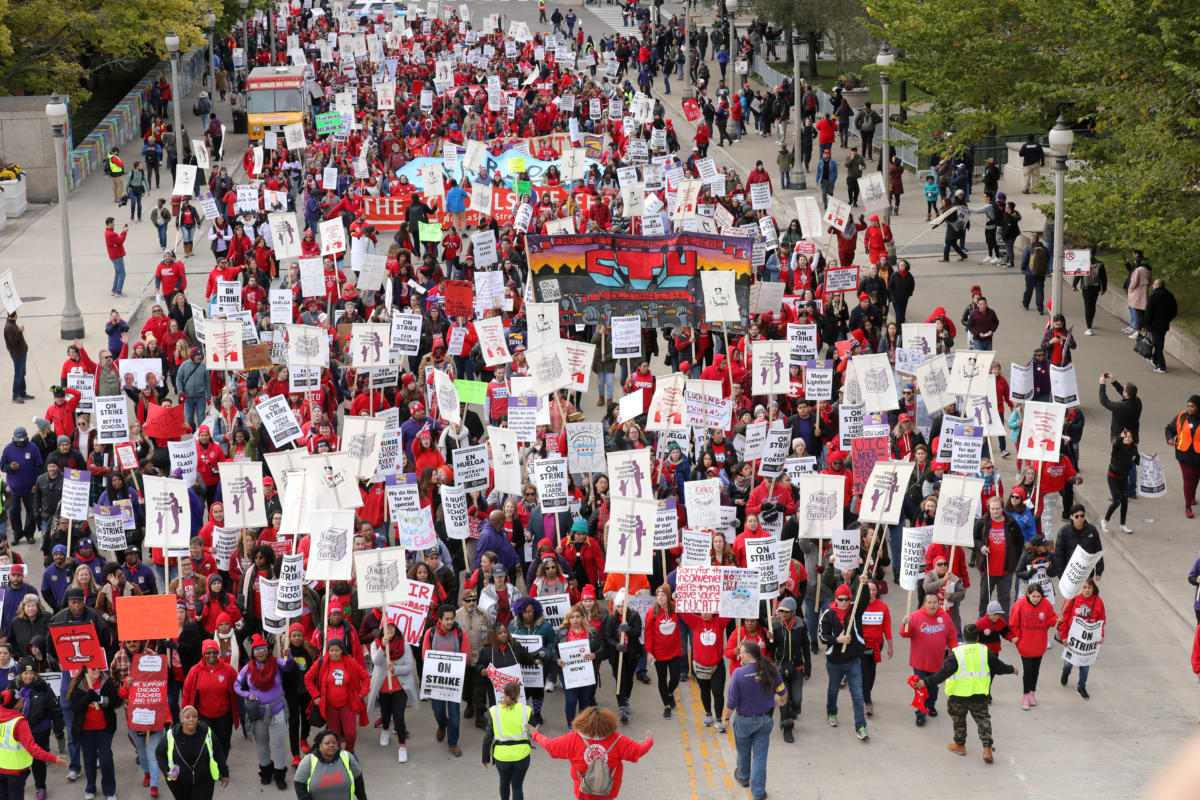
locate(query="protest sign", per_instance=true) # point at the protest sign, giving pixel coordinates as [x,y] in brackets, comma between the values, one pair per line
[775,449]
[703,501]
[146,708]
[627,337]
[883,492]
[108,529]
[443,675]
[877,382]
[820,505]
[1083,640]
[532,676]
[914,542]
[148,616]
[933,381]
[242,490]
[957,506]
[550,477]
[280,420]
[379,576]
[818,380]
[454,511]
[865,451]
[362,439]
[330,555]
[471,467]
[168,512]
[969,374]
[1064,389]
[802,341]
[770,367]
[846,547]
[76,487]
[1041,432]
[761,557]
[698,590]
[667,407]
[585,447]
[1151,481]
[78,647]
[1078,569]
[289,598]
[739,593]
[966,449]
[112,419]
[720,298]
[631,535]
[697,546]
[577,669]
[666,524]
[629,473]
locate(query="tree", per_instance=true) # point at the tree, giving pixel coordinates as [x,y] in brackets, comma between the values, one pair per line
[1124,74]
[54,45]
[812,19]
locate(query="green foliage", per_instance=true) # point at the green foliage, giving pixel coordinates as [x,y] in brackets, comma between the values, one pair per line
[1127,71]
[59,44]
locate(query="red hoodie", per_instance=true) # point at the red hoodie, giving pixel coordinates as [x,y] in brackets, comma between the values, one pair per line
[931,635]
[663,636]
[210,690]
[1090,609]
[1030,624]
[581,752]
[707,648]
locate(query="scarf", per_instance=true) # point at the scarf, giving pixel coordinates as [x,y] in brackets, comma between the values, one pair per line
[262,676]
[228,645]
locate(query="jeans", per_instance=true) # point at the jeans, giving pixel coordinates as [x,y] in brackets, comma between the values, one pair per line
[852,672]
[1135,318]
[826,190]
[604,385]
[145,750]
[162,234]
[785,179]
[193,410]
[953,243]
[18,376]
[577,700]
[933,692]
[446,715]
[752,735]
[135,205]
[512,776]
[97,750]
[980,344]
[1083,673]
[118,274]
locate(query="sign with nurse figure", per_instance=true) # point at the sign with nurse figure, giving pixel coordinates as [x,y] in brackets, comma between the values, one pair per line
[883,495]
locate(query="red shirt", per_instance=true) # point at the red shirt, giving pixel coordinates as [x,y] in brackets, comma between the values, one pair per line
[996,547]
[931,635]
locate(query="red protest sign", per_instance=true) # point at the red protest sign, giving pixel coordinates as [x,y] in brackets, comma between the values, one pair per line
[163,422]
[460,298]
[78,646]
[148,616]
[409,617]
[865,452]
[126,456]
[146,708]
[691,109]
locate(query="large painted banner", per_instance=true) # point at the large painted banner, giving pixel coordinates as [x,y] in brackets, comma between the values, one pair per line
[594,277]
[386,213]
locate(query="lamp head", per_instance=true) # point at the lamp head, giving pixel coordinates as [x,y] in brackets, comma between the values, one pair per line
[56,109]
[885,56]
[1061,136]
[172,42]
[210,20]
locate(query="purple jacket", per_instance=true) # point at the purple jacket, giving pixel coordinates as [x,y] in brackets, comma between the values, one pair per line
[497,542]
[272,698]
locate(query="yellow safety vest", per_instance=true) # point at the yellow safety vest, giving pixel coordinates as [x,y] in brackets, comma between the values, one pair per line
[541,5]
[213,769]
[13,755]
[345,763]
[114,167]
[973,676]
[508,723]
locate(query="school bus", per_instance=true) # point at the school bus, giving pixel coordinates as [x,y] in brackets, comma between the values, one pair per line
[275,97]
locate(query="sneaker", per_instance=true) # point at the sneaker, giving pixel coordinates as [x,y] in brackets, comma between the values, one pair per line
[862,735]
[145,779]
[708,720]
[1089,332]
[921,719]
[40,794]
[1160,370]
[550,686]
[1062,679]
[666,712]
[1104,525]
[870,707]
[1132,335]
[1003,454]
[933,712]
[1033,695]
[1126,329]
[719,726]
[402,754]
[1126,529]
[154,791]
[89,796]
[385,737]
[789,736]
[1025,702]
[832,721]
[296,761]
[1082,692]
[73,775]
[624,714]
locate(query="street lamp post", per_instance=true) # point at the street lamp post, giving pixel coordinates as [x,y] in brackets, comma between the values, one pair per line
[1061,138]
[176,93]
[210,21]
[799,174]
[245,4]
[883,60]
[71,326]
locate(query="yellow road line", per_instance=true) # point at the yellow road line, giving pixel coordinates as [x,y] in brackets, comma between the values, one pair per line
[711,747]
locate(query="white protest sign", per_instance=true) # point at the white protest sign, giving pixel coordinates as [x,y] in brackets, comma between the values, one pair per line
[958,499]
[1077,571]
[914,543]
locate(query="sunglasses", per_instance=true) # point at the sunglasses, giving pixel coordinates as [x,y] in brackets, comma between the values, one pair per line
[1078,516]
[843,600]
[940,564]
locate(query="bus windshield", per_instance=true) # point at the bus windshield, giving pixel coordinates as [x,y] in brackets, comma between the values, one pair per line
[264,101]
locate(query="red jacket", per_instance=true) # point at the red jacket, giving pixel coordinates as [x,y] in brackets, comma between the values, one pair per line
[781,494]
[707,648]
[1089,609]
[207,459]
[210,690]
[23,735]
[115,242]
[663,636]
[593,559]
[580,752]
[318,680]
[1030,625]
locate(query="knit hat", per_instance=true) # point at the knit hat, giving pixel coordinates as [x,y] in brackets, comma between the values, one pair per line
[499,571]
[588,593]
[994,607]
[257,641]
[28,665]
[63,440]
[210,644]
[74,593]
[1019,492]
[579,525]
[59,548]
[843,591]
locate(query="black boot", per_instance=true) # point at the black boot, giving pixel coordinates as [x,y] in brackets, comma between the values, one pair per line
[281,779]
[264,774]
[469,712]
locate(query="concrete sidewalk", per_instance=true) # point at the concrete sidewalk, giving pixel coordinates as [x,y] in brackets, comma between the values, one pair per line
[31,246]
[1165,543]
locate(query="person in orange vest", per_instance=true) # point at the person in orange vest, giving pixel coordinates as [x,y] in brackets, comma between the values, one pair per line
[542,11]
[1181,434]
